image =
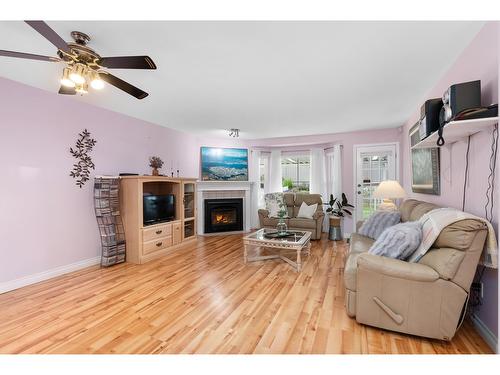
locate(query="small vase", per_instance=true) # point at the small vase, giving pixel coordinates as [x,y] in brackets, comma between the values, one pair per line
[281,227]
[155,172]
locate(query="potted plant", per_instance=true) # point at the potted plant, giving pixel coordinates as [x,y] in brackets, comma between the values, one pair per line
[156,163]
[337,210]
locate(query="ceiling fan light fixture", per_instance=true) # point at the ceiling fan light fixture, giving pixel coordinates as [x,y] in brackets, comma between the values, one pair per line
[65,80]
[77,74]
[82,89]
[95,81]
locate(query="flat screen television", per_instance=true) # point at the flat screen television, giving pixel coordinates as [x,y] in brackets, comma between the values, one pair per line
[158,208]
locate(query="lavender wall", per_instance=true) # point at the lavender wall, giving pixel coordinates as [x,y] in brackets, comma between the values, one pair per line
[478,61]
[45,220]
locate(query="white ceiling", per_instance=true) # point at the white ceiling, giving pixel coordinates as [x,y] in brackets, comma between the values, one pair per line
[269,79]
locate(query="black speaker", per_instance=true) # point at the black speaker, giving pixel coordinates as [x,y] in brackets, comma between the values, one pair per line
[458,98]
[429,117]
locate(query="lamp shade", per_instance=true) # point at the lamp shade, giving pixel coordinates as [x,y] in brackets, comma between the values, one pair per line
[389,189]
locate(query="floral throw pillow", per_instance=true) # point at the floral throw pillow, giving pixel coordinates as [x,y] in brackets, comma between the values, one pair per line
[275,204]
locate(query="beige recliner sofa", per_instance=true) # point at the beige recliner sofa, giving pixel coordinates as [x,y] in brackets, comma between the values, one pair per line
[427,298]
[293,202]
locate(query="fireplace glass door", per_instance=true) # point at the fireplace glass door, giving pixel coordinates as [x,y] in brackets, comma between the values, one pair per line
[223,215]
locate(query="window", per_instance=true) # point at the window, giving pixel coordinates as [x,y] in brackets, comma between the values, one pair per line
[295,172]
[263,170]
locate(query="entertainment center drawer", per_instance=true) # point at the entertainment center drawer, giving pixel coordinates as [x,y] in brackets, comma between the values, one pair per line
[155,245]
[150,234]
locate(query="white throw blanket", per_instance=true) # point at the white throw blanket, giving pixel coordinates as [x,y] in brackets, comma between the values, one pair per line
[433,222]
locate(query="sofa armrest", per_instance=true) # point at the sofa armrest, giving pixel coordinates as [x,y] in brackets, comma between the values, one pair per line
[396,268]
[263,213]
[318,215]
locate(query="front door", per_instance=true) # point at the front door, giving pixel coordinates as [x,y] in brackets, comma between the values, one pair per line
[374,164]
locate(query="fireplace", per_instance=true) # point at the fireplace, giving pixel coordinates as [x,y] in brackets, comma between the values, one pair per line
[223,215]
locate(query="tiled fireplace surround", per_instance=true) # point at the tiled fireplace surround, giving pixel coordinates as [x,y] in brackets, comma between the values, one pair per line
[224,190]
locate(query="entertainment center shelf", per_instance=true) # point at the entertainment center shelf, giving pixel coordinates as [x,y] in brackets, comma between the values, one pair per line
[159,215]
[456,131]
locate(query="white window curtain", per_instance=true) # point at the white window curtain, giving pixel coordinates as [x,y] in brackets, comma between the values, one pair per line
[334,173]
[254,177]
[336,186]
[318,177]
[275,180]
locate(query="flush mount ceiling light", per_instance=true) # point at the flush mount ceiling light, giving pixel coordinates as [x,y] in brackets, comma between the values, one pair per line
[235,133]
[84,66]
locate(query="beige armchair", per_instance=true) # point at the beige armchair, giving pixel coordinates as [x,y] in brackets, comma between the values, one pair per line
[293,202]
[427,298]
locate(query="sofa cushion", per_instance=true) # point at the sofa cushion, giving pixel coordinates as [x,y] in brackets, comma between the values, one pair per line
[421,209]
[444,261]
[378,222]
[459,235]
[289,199]
[307,211]
[398,241]
[308,199]
[275,203]
[301,223]
[360,243]
[272,221]
[407,207]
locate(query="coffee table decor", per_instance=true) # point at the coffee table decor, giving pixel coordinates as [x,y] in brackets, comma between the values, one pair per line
[279,243]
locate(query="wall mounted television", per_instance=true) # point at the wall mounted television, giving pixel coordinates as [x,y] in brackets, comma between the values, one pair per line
[224,164]
[158,208]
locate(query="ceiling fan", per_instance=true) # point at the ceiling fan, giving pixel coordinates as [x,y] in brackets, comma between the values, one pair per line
[83,65]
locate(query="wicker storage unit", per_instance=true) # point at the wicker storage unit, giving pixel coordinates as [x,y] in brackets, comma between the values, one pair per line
[109,221]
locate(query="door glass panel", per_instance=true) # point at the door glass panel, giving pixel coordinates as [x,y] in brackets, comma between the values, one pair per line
[374,167]
[188,200]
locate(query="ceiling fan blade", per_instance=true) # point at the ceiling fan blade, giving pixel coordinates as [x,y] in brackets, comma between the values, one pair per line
[127,62]
[50,35]
[64,90]
[30,56]
[122,85]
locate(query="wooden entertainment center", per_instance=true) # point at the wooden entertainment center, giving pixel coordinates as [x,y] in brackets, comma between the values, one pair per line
[145,242]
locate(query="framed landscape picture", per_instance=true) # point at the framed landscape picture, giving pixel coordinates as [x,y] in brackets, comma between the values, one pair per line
[224,164]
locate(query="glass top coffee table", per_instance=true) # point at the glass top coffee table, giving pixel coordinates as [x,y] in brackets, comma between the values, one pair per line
[297,242]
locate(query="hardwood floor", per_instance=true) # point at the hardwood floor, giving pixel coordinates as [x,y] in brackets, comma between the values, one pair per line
[203,299]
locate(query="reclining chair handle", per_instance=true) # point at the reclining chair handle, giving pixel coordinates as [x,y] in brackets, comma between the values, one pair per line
[396,317]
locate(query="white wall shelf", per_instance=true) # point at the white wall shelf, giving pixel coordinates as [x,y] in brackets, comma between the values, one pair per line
[456,131]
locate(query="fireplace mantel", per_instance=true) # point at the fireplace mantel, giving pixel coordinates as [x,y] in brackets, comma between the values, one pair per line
[224,189]
[224,185]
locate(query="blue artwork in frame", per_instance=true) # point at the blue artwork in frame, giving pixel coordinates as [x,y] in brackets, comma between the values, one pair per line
[224,164]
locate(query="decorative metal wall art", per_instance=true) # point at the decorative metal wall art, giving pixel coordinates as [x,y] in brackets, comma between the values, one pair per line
[81,169]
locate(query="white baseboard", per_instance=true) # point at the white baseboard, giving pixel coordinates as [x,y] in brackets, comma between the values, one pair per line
[485,333]
[45,275]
